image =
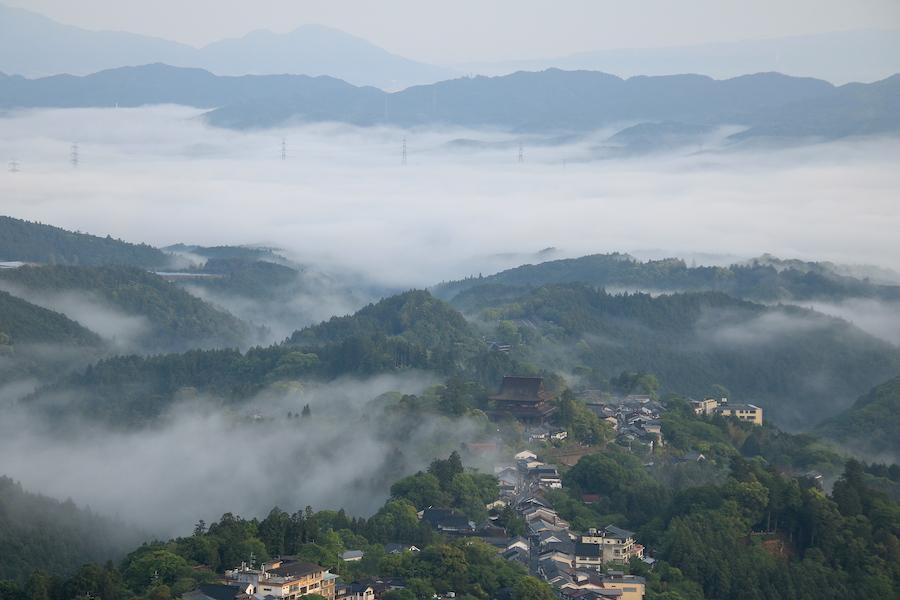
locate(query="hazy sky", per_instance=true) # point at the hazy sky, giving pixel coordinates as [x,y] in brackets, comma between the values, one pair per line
[468,30]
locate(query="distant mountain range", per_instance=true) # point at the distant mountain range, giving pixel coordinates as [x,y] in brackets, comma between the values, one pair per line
[767,104]
[34,46]
[838,57]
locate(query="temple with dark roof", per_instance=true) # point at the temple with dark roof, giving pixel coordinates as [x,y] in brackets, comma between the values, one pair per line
[523,398]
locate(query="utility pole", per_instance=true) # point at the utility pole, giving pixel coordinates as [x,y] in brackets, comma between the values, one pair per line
[13,166]
[521,153]
[73,157]
[403,155]
[283,149]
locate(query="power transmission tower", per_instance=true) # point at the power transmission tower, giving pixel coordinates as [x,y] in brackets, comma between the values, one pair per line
[283,149]
[521,153]
[13,166]
[74,158]
[403,155]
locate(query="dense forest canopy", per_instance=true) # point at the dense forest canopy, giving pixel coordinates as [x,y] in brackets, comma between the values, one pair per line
[175,319]
[871,426]
[24,323]
[411,331]
[792,361]
[747,532]
[35,242]
[37,532]
[765,279]
[799,365]
[763,514]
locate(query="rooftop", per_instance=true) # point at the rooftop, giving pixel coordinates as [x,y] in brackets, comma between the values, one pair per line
[739,406]
[219,591]
[618,532]
[522,389]
[295,568]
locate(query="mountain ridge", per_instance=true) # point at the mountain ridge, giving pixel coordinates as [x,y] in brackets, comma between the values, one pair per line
[308,49]
[546,102]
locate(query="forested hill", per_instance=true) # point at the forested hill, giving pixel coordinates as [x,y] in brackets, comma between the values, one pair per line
[27,241]
[170,318]
[411,331]
[758,280]
[769,104]
[25,323]
[416,315]
[257,279]
[248,253]
[801,366]
[39,533]
[871,426]
[162,84]
[794,362]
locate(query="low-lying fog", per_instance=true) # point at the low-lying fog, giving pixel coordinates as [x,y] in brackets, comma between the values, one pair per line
[204,460]
[342,201]
[159,175]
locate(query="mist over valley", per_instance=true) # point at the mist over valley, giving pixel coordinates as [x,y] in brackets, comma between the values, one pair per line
[290,313]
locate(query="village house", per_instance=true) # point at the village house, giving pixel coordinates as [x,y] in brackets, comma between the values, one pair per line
[517,554]
[532,500]
[537,526]
[706,407]
[541,512]
[610,545]
[510,481]
[354,591]
[218,591]
[522,398]
[634,418]
[352,555]
[447,520]
[518,542]
[395,548]
[692,456]
[614,584]
[549,537]
[284,578]
[559,557]
[368,589]
[555,573]
[749,413]
[546,434]
[545,477]
[525,455]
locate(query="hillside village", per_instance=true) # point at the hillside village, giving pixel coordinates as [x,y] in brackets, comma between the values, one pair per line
[607,484]
[398,300]
[590,564]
